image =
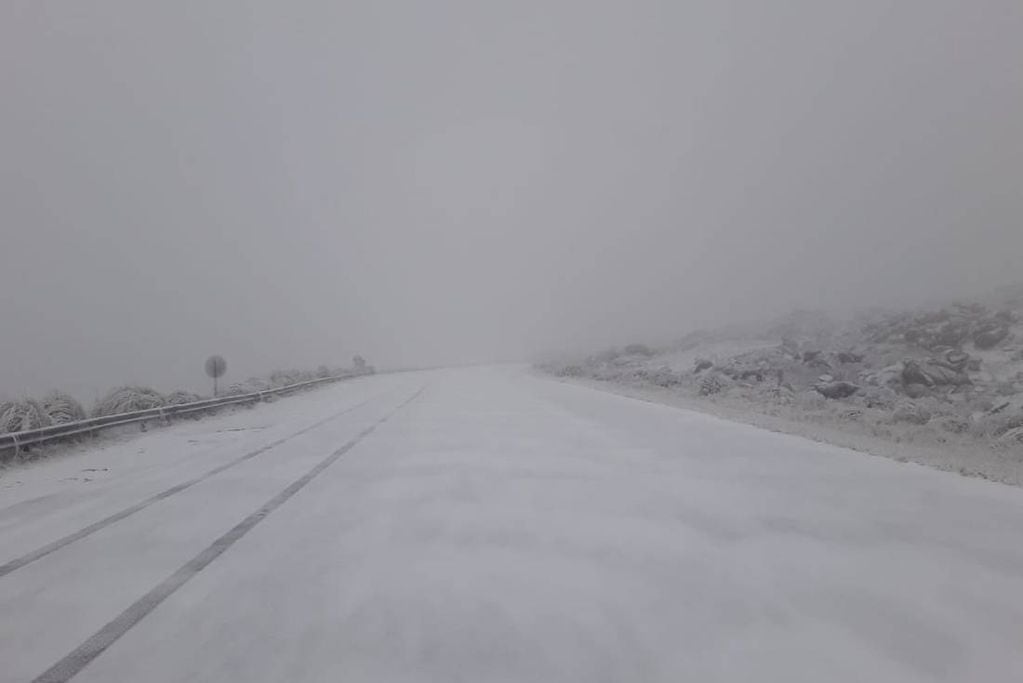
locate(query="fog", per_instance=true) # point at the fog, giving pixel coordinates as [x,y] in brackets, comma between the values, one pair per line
[288,184]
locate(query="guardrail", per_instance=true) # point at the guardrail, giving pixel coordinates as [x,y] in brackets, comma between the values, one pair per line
[16,441]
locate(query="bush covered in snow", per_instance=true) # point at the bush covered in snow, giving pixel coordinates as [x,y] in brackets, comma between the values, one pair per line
[18,416]
[283,378]
[62,408]
[249,386]
[713,383]
[128,399]
[176,398]
[59,408]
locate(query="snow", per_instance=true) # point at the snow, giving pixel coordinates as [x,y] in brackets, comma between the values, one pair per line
[505,527]
[682,360]
[833,422]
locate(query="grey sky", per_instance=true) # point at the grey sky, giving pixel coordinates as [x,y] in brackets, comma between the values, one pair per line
[288,183]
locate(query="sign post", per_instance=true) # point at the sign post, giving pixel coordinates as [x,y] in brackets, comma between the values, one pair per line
[216,366]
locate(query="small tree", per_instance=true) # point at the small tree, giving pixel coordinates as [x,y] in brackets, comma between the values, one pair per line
[359,362]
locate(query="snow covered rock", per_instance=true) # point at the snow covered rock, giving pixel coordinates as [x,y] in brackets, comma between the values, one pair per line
[933,372]
[835,390]
[917,390]
[1013,437]
[990,335]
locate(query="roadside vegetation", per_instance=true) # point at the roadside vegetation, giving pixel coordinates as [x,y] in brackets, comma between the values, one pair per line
[58,407]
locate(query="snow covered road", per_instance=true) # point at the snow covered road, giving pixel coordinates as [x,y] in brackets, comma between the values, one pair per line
[487,525]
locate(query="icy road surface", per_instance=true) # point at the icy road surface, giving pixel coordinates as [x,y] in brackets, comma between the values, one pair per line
[481,525]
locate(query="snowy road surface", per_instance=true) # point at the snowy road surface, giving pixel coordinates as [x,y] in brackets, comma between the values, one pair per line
[487,525]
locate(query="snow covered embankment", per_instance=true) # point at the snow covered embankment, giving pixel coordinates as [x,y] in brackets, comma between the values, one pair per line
[942,387]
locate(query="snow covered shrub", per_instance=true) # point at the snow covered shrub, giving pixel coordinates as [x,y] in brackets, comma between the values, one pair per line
[713,383]
[780,393]
[907,411]
[662,377]
[127,400]
[953,424]
[62,408]
[566,370]
[283,378]
[176,398]
[18,416]
[249,386]
[322,371]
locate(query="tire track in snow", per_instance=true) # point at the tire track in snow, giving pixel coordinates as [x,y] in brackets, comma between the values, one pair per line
[68,667]
[41,552]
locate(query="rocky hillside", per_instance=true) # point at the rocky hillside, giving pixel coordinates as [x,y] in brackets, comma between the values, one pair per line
[951,373]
